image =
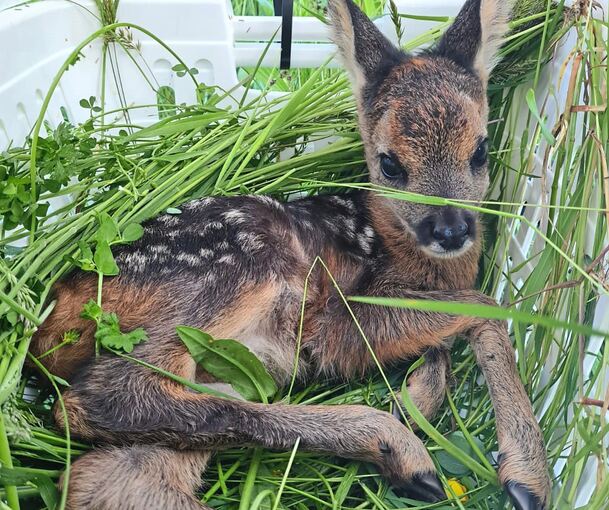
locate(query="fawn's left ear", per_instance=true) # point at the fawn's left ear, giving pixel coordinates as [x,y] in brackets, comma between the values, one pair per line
[367,54]
[475,36]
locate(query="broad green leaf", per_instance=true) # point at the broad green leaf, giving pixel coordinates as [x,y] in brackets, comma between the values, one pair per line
[85,250]
[84,264]
[10,189]
[108,230]
[91,310]
[231,362]
[112,337]
[452,464]
[12,317]
[108,331]
[104,260]
[132,232]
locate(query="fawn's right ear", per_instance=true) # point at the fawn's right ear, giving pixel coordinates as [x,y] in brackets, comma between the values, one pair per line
[367,54]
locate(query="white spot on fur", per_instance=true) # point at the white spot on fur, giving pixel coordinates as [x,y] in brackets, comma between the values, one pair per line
[344,202]
[227,259]
[159,249]
[223,246]
[366,239]
[269,201]
[349,225]
[188,258]
[169,220]
[235,216]
[136,260]
[213,225]
[205,253]
[306,224]
[200,203]
[250,243]
[210,278]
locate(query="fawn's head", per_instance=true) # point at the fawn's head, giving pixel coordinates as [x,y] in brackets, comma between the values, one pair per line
[423,117]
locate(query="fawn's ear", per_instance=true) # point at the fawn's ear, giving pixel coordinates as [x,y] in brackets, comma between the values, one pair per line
[367,54]
[475,36]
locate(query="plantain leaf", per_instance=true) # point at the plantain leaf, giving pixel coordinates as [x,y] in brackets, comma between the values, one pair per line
[452,464]
[231,362]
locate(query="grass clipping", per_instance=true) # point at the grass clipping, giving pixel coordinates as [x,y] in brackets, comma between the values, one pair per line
[110,167]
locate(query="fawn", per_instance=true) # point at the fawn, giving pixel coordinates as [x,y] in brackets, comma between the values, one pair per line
[236,267]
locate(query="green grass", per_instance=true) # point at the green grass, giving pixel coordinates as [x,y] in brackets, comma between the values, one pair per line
[201,149]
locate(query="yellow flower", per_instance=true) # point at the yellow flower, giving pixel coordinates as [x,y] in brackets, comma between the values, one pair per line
[458,488]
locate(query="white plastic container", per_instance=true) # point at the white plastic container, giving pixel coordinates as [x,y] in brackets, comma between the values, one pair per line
[40,36]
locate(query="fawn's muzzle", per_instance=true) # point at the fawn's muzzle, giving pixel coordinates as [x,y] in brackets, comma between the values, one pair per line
[451,236]
[447,231]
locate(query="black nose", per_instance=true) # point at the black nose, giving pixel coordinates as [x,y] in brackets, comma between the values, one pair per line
[451,235]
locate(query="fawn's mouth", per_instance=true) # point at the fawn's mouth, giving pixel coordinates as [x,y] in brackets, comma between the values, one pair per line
[434,249]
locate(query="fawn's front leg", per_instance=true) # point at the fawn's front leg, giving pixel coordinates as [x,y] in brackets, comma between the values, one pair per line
[427,384]
[396,333]
[522,465]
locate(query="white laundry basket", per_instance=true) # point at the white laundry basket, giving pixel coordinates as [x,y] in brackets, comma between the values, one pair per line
[36,39]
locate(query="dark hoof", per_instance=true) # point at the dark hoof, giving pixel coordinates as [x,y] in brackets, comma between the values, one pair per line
[522,498]
[423,487]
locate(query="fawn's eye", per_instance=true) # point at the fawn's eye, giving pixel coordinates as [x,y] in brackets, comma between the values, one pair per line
[481,155]
[391,168]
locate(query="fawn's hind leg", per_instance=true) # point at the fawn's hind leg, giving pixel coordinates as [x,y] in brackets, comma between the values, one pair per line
[142,477]
[118,401]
